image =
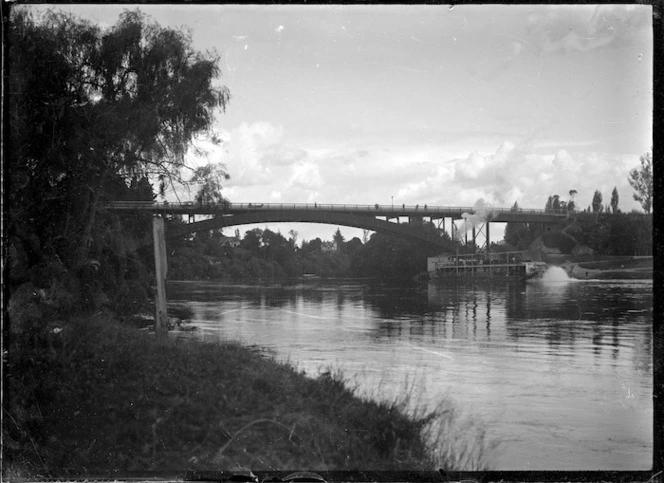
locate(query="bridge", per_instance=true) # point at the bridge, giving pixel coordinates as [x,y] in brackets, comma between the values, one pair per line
[410,222]
[405,221]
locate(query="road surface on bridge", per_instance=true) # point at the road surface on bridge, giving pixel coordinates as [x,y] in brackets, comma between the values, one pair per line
[377,210]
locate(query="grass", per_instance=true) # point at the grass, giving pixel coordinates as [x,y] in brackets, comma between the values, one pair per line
[93,396]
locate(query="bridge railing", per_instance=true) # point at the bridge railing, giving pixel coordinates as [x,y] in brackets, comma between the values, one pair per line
[379,209]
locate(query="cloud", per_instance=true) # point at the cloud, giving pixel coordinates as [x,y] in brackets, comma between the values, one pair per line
[563,161]
[306,176]
[585,28]
[264,167]
[493,172]
[254,153]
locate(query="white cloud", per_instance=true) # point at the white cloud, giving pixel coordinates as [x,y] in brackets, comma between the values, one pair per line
[306,176]
[565,162]
[253,153]
[264,167]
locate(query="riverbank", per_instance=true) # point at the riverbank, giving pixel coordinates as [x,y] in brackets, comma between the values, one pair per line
[606,268]
[93,396]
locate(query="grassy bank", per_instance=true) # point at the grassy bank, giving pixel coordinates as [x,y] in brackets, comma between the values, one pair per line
[93,396]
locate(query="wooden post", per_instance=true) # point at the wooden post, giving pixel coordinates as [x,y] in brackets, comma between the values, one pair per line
[160,316]
[488,248]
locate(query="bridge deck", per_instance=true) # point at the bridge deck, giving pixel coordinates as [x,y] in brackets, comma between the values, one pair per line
[382,210]
[493,214]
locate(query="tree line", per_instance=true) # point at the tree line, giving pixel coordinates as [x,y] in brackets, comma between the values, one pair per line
[604,229]
[262,254]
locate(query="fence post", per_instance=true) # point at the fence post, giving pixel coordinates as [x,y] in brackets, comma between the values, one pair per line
[160,265]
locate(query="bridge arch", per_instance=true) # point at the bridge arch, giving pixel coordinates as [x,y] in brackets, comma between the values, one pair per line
[413,232]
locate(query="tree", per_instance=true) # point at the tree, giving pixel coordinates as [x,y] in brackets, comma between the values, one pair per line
[614,200]
[549,204]
[209,178]
[571,204]
[338,239]
[91,108]
[293,238]
[555,204]
[597,202]
[641,181]
[252,241]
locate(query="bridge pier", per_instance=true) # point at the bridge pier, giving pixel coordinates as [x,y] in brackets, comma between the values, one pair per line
[482,229]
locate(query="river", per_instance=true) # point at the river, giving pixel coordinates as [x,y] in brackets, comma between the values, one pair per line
[559,371]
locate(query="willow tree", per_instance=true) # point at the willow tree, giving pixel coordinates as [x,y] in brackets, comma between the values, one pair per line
[90,108]
[641,180]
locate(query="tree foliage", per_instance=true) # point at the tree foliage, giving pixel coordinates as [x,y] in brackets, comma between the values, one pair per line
[89,107]
[614,200]
[338,239]
[210,180]
[641,180]
[616,234]
[95,115]
[597,202]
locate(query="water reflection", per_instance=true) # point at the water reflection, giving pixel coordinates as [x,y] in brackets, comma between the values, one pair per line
[556,367]
[595,314]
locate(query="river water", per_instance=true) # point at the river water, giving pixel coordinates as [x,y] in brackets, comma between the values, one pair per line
[559,371]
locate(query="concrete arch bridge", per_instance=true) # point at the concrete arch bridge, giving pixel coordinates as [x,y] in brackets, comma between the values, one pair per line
[405,221]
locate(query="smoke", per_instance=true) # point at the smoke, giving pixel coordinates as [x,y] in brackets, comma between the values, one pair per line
[482,213]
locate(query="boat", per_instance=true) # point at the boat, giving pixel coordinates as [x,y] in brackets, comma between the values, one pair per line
[498,266]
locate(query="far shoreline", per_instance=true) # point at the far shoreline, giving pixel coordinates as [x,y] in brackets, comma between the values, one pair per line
[586,267]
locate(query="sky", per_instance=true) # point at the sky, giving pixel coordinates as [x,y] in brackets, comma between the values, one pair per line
[434,105]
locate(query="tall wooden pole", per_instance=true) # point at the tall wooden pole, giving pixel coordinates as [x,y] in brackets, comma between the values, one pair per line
[160,316]
[488,238]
